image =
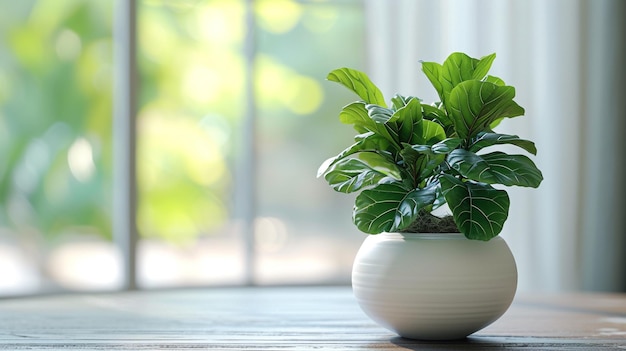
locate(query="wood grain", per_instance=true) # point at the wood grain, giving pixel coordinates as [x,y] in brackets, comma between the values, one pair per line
[294,318]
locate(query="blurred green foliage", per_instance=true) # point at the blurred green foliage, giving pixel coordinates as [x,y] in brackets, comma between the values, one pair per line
[56,74]
[55,117]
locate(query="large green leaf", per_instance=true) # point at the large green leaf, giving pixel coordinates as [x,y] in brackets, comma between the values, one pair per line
[350,175]
[412,128]
[364,142]
[496,168]
[379,114]
[474,105]
[446,146]
[427,164]
[482,66]
[432,132]
[471,166]
[381,163]
[457,68]
[479,210]
[432,70]
[494,80]
[356,114]
[484,139]
[398,101]
[365,169]
[389,207]
[443,147]
[408,120]
[359,83]
[420,161]
[513,169]
[408,209]
[435,114]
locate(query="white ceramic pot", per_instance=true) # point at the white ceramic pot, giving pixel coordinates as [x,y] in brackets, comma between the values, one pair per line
[433,286]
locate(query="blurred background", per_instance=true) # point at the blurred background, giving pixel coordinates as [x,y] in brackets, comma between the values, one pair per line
[234,116]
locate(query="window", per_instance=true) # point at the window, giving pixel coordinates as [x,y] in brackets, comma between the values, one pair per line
[230,129]
[55,159]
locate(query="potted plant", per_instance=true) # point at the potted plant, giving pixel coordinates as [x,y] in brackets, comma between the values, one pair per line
[423,275]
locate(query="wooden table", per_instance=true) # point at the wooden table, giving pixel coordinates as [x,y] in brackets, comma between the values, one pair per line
[288,318]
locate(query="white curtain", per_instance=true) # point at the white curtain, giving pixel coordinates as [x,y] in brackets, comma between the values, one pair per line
[564,57]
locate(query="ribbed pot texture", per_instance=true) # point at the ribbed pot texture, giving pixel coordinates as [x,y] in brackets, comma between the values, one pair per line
[433,286]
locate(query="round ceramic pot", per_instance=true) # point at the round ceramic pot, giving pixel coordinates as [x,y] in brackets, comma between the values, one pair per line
[433,286]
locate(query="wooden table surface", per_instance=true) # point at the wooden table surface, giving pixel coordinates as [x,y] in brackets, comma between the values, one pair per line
[288,318]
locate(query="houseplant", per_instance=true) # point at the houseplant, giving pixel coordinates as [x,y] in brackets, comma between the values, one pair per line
[408,160]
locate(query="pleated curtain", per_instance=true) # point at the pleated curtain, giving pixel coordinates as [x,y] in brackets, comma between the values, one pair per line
[566,60]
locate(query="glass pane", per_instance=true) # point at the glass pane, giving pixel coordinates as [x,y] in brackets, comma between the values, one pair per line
[191,125]
[192,76]
[55,146]
[304,233]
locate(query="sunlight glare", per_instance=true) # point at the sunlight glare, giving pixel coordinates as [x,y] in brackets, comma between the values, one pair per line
[278,16]
[68,45]
[220,22]
[80,160]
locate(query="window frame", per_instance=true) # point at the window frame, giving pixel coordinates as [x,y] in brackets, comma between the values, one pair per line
[124,214]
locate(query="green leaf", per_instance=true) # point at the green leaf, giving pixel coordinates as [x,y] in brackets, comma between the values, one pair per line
[359,83]
[379,114]
[389,207]
[446,146]
[398,101]
[351,174]
[432,132]
[513,110]
[438,115]
[483,140]
[408,120]
[496,168]
[443,147]
[420,161]
[426,165]
[408,209]
[440,200]
[458,68]
[495,123]
[381,163]
[494,80]
[420,148]
[356,113]
[474,105]
[482,66]
[479,210]
[432,70]
[471,166]
[513,169]
[364,142]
